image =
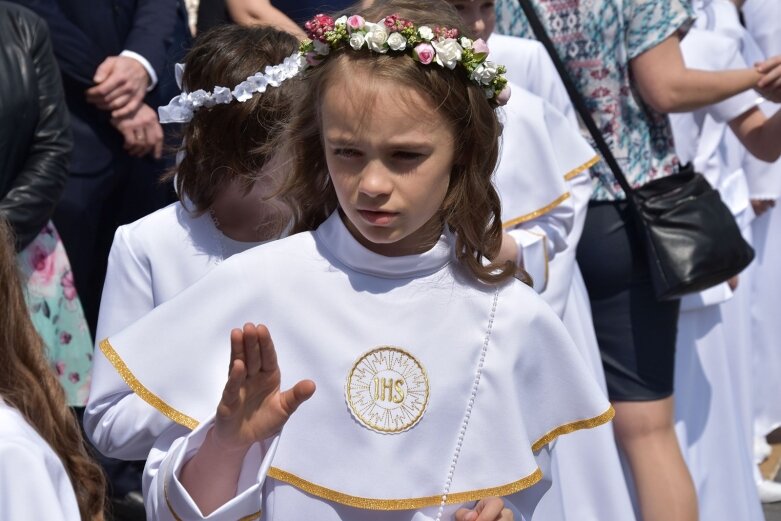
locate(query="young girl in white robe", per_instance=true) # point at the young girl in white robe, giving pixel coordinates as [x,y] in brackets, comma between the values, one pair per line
[224,180]
[575,495]
[713,351]
[440,378]
[45,472]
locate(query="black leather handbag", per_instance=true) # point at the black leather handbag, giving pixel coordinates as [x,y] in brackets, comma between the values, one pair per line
[691,238]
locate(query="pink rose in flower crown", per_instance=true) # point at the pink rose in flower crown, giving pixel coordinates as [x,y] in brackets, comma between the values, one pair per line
[313,59]
[424,53]
[480,47]
[355,22]
[503,97]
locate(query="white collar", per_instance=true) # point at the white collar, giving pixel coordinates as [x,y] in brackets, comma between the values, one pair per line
[341,244]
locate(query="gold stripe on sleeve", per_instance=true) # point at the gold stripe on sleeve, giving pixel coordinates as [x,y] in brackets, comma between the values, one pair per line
[575,426]
[572,174]
[536,213]
[402,504]
[139,388]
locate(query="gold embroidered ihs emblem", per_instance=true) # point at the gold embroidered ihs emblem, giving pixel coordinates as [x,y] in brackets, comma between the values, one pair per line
[387,390]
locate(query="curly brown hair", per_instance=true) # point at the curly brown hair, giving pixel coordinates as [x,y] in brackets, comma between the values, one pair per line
[231,142]
[471,207]
[28,383]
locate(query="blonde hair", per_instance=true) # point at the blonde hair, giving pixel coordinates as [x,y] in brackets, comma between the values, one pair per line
[471,206]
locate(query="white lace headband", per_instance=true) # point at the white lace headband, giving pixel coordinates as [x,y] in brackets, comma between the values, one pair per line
[182,107]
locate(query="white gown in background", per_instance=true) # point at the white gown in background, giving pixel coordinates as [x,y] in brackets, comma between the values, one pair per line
[348,318]
[713,351]
[763,21]
[33,481]
[578,457]
[151,261]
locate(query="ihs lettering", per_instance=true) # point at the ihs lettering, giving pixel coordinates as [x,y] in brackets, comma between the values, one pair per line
[389,390]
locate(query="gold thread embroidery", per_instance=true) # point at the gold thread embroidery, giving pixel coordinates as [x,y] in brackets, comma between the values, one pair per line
[572,174]
[387,390]
[533,215]
[589,423]
[139,388]
[402,504]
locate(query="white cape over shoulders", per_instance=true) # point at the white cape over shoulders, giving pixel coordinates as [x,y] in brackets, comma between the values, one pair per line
[328,302]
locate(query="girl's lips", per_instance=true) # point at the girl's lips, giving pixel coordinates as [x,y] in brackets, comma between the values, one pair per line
[377,218]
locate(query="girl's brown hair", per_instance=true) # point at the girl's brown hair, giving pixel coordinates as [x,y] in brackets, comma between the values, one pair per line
[230,142]
[28,383]
[471,207]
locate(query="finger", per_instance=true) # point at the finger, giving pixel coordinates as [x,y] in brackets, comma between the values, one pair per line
[252,349]
[116,103]
[489,509]
[237,347]
[293,398]
[102,90]
[464,514]
[768,64]
[104,70]
[267,352]
[236,377]
[127,108]
[506,515]
[770,77]
[158,146]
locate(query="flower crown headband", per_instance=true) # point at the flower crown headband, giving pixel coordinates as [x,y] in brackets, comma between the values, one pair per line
[182,107]
[440,45]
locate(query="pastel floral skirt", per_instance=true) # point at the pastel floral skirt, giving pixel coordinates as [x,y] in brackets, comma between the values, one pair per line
[56,312]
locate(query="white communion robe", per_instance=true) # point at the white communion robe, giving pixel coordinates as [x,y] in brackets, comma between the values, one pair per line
[763,21]
[349,318]
[151,260]
[586,453]
[713,345]
[33,481]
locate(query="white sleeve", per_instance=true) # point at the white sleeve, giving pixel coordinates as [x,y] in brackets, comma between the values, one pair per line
[119,423]
[166,499]
[28,490]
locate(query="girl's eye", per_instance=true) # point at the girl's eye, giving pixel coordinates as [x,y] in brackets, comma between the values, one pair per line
[346,152]
[404,155]
[488,5]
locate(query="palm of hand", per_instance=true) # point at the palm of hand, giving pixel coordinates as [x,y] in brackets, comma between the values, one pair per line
[253,408]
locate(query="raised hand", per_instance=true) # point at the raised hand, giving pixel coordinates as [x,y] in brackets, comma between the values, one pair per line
[488,509]
[252,407]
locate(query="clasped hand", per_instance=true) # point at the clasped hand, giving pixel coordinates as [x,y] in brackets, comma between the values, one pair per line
[770,83]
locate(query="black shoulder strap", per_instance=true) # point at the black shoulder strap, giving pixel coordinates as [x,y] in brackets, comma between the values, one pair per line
[574,94]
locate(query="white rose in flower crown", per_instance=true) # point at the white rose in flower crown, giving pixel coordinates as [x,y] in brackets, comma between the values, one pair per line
[425,32]
[341,21]
[448,52]
[322,48]
[357,39]
[466,43]
[397,42]
[376,37]
[485,73]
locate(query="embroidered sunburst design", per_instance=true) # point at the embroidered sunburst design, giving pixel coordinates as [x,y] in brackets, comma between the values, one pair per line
[387,390]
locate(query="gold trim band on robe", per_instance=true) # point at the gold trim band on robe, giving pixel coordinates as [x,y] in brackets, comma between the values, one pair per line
[402,504]
[536,213]
[346,499]
[572,174]
[139,388]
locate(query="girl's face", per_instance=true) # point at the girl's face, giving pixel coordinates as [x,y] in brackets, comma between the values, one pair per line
[389,155]
[478,15]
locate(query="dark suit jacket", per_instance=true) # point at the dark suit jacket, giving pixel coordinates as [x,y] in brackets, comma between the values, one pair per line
[84,33]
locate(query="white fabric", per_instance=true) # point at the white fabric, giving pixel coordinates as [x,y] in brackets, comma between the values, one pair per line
[713,351]
[539,147]
[33,481]
[151,261]
[574,495]
[354,300]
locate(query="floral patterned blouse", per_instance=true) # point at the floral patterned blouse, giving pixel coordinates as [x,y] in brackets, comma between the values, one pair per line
[56,313]
[597,39]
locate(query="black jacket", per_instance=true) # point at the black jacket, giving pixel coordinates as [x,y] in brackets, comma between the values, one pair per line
[35,140]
